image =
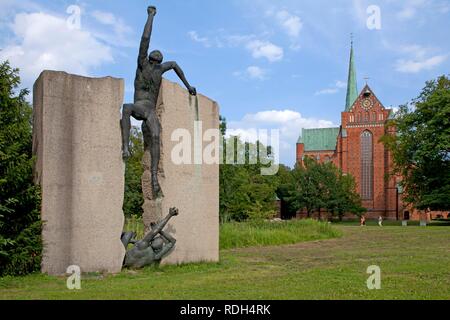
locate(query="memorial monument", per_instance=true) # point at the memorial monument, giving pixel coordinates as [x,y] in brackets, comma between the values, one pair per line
[81,141]
[163,107]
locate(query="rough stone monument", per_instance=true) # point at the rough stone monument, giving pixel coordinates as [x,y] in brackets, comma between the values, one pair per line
[193,186]
[77,141]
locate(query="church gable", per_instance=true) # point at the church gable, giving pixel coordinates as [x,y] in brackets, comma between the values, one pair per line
[367,108]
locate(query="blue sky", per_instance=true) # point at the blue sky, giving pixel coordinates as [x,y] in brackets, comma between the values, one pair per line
[270,64]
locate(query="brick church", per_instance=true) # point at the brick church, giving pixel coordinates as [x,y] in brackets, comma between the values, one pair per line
[355,148]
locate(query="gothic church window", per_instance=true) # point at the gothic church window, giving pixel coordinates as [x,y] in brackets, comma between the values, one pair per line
[366,117]
[367,165]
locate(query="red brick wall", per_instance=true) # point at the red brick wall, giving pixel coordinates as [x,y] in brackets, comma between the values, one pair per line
[347,156]
[300,151]
[356,122]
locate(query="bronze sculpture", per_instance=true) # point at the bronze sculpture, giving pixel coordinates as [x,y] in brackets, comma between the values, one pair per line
[150,250]
[147,85]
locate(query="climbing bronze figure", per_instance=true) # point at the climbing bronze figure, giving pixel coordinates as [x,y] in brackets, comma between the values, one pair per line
[147,84]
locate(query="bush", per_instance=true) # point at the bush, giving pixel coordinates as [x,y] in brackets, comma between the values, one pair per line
[20,228]
[133,198]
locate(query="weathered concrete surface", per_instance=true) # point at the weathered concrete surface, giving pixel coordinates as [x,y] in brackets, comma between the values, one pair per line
[192,188]
[77,141]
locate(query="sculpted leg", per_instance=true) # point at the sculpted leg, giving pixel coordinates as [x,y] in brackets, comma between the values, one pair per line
[126,127]
[154,137]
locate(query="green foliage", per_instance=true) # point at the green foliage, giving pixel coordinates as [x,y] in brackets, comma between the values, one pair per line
[134,199]
[135,224]
[421,147]
[245,194]
[20,229]
[318,186]
[264,233]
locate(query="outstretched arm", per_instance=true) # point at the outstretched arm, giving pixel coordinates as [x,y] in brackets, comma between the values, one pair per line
[169,246]
[160,226]
[145,40]
[167,237]
[172,65]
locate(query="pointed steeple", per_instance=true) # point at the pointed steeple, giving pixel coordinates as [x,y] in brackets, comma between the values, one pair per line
[352,87]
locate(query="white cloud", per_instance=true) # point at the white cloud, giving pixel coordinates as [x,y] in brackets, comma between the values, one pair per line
[359,12]
[256,73]
[415,66]
[104,17]
[289,123]
[416,58]
[335,89]
[196,38]
[415,8]
[236,40]
[326,91]
[257,47]
[121,32]
[291,24]
[341,84]
[407,13]
[43,41]
[265,49]
[252,73]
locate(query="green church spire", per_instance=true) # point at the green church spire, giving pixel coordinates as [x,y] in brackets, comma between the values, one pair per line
[352,87]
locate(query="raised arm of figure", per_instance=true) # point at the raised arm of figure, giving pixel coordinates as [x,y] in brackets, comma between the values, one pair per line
[145,40]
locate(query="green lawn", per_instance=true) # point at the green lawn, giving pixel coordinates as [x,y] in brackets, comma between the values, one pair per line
[259,234]
[414,262]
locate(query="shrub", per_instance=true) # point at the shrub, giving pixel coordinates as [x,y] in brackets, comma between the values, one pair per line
[20,228]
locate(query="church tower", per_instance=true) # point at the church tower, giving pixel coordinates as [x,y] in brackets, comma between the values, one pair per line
[361,153]
[352,86]
[355,147]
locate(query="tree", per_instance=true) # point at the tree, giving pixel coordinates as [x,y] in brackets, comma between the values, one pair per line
[306,192]
[134,198]
[244,193]
[284,180]
[20,227]
[421,147]
[345,198]
[318,186]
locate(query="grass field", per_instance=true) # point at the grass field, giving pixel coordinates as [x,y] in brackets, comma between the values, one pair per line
[414,262]
[259,234]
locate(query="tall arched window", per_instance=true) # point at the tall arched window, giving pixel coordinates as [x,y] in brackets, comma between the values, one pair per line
[366,117]
[367,165]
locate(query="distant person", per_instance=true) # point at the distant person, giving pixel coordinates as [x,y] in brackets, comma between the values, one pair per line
[363,221]
[429,215]
[380,221]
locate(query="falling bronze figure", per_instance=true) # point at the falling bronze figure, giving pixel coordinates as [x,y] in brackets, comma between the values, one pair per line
[150,250]
[147,85]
